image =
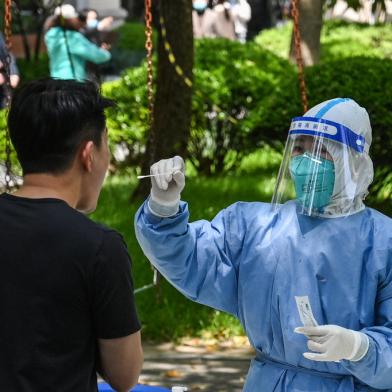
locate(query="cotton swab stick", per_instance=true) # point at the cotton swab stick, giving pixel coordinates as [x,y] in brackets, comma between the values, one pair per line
[153,175]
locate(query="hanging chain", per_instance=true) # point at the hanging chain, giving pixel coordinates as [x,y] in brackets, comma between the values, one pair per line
[149,48]
[298,54]
[150,97]
[7,67]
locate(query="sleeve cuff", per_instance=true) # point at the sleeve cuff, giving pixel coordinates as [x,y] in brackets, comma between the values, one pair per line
[363,347]
[162,211]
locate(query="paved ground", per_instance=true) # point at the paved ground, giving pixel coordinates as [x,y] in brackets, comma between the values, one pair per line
[205,366]
[198,365]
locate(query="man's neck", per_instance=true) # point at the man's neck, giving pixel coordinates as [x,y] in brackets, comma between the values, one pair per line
[40,186]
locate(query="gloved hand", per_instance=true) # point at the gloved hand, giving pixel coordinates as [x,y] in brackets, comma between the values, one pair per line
[334,343]
[166,186]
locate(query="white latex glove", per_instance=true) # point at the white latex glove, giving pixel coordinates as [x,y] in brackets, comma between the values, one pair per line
[166,187]
[334,343]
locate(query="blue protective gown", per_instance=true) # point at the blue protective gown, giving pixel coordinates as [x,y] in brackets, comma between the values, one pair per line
[252,262]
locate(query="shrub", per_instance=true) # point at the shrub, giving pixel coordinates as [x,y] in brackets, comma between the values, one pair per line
[129,50]
[131,36]
[30,70]
[128,122]
[14,162]
[339,39]
[230,79]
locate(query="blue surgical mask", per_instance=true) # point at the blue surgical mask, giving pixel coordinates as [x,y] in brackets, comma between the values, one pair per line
[92,23]
[314,180]
[200,5]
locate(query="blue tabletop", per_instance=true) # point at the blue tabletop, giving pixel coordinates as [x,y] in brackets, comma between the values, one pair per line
[104,387]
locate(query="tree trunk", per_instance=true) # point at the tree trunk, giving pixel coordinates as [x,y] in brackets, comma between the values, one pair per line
[310,23]
[262,17]
[173,101]
[22,30]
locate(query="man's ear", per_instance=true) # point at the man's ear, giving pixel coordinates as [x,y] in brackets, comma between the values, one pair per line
[87,155]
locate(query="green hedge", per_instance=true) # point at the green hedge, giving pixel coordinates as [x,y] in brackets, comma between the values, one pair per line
[230,79]
[14,162]
[34,69]
[131,36]
[339,40]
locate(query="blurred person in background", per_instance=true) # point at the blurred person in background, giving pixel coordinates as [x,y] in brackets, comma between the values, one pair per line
[224,19]
[202,19]
[96,31]
[13,70]
[242,13]
[68,48]
[94,25]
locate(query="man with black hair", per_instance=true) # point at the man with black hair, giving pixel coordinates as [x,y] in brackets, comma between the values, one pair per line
[66,294]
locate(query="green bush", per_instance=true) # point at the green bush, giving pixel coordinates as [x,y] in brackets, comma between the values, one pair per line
[3,126]
[128,122]
[339,39]
[129,50]
[30,70]
[230,79]
[131,36]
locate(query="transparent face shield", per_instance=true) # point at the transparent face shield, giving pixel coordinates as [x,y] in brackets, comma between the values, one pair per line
[321,168]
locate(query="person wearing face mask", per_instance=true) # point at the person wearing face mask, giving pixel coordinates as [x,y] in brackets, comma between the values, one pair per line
[202,19]
[224,20]
[96,31]
[309,275]
[242,13]
[68,49]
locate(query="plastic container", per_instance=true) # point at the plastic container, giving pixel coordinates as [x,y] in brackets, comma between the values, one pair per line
[179,388]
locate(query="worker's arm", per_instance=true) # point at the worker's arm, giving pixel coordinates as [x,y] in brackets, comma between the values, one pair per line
[201,258]
[195,257]
[121,361]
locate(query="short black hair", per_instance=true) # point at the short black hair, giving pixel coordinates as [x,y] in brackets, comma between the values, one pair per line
[50,118]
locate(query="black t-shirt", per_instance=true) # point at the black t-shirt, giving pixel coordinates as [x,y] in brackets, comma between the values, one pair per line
[65,281]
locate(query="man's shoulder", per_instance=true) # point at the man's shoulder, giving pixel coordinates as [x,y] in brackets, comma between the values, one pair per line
[85,225]
[88,236]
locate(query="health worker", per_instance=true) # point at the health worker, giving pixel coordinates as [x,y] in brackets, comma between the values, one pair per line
[256,260]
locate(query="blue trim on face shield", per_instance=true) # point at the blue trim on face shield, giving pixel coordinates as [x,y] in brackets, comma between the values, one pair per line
[330,105]
[319,127]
